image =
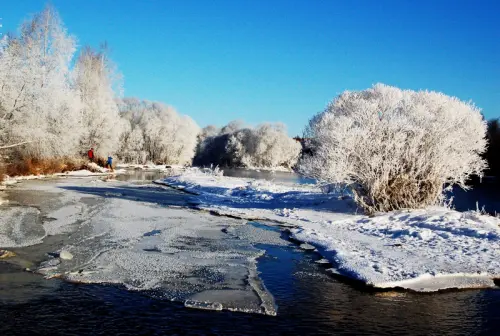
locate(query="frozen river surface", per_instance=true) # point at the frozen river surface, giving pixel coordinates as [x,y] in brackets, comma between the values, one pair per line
[142,258]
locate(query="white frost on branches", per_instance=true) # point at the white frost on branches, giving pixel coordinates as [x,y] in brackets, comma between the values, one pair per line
[266,146]
[157,133]
[37,103]
[95,81]
[52,107]
[396,148]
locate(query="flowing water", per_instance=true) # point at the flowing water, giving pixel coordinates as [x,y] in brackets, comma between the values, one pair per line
[309,300]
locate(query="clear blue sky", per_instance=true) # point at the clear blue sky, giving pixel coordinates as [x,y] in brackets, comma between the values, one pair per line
[270,60]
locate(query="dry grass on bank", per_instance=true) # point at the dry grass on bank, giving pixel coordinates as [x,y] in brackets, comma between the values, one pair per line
[33,166]
[101,162]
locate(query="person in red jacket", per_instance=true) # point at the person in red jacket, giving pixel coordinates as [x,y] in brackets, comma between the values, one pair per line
[91,154]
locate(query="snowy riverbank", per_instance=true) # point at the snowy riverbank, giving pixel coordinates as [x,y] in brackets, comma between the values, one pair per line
[94,170]
[422,250]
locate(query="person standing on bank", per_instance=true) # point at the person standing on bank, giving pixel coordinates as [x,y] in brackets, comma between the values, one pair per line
[90,153]
[109,164]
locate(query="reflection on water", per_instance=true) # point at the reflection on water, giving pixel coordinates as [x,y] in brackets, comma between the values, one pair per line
[335,307]
[141,175]
[138,175]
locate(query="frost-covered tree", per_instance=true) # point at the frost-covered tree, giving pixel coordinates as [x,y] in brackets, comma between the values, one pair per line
[167,137]
[207,132]
[170,138]
[38,106]
[232,127]
[96,79]
[205,137]
[266,146]
[396,148]
[132,146]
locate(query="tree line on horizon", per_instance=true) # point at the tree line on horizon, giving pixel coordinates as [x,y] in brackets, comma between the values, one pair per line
[394,148]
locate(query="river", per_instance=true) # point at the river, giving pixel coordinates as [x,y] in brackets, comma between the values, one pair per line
[309,300]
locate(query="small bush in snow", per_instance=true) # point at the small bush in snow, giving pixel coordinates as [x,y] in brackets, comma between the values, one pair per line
[213,171]
[396,148]
[35,166]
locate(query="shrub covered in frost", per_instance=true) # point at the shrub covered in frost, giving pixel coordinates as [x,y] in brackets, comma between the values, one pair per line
[212,150]
[396,148]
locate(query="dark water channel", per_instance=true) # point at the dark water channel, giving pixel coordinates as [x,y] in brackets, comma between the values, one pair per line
[310,302]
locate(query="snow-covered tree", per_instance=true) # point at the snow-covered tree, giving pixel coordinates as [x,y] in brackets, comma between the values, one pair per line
[232,127]
[167,137]
[95,79]
[38,105]
[266,146]
[208,131]
[132,145]
[396,148]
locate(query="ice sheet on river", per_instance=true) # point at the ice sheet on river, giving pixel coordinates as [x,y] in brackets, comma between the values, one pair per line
[22,226]
[172,253]
[422,250]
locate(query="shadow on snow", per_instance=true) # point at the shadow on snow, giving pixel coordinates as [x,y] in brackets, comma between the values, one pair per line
[162,196]
[170,197]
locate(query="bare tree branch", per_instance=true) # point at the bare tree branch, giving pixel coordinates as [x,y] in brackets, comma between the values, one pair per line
[15,145]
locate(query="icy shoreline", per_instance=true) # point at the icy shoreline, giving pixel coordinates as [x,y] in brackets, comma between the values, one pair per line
[421,250]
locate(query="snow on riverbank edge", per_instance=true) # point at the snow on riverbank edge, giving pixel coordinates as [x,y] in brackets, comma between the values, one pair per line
[422,250]
[9,180]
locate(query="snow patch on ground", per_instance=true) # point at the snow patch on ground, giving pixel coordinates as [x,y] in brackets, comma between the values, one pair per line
[422,250]
[403,249]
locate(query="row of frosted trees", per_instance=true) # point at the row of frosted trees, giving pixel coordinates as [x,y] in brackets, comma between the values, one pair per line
[236,145]
[55,103]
